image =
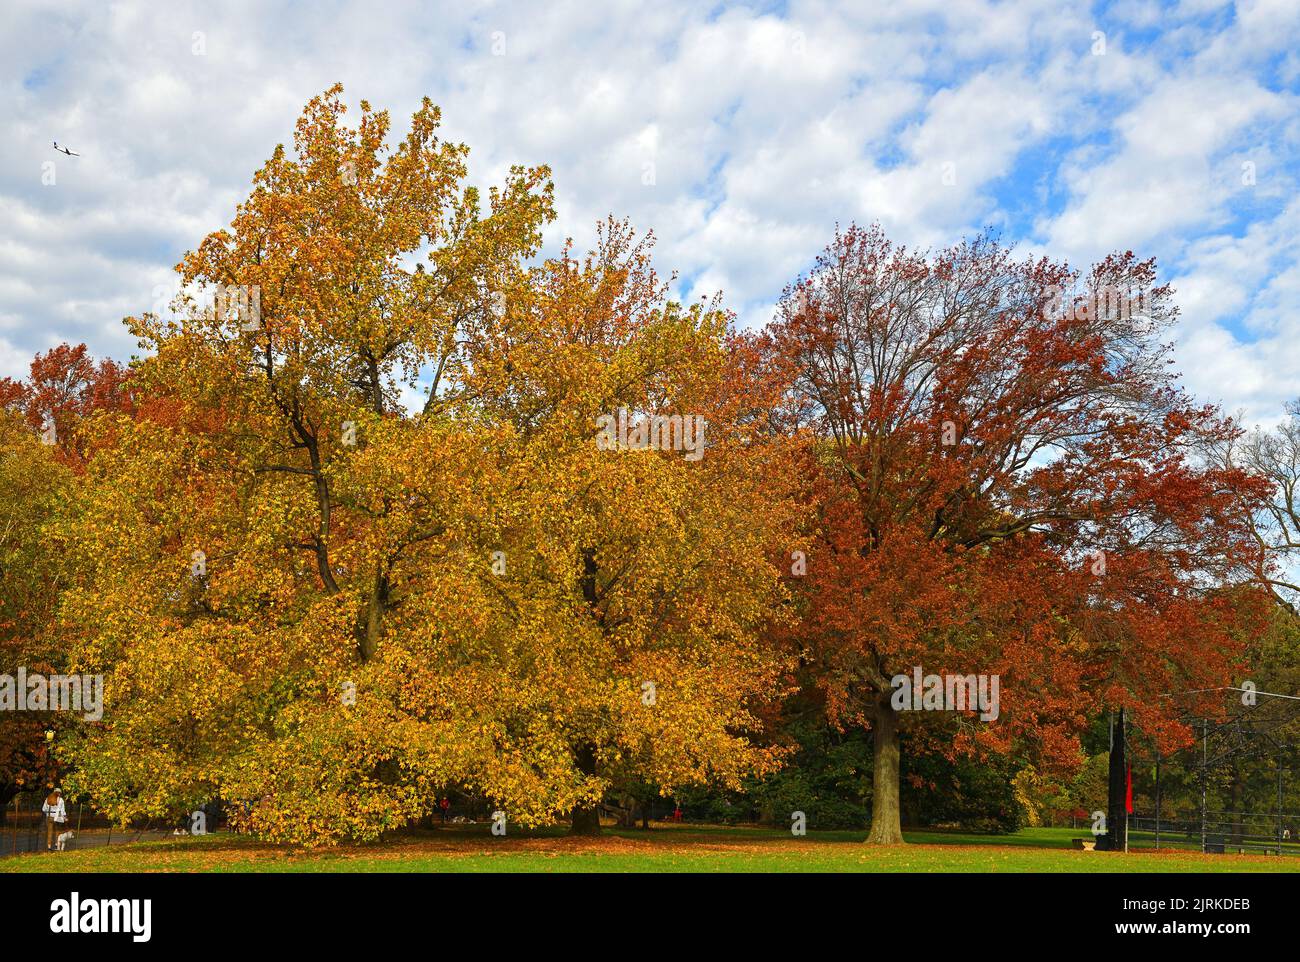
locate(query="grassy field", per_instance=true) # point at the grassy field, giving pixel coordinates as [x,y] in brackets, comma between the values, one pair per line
[668,848]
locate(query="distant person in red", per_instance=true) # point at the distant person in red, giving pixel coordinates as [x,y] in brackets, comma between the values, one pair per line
[677,814]
[444,805]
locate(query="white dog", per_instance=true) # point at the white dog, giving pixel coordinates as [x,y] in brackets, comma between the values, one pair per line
[64,838]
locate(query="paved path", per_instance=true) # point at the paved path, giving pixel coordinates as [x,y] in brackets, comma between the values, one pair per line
[29,841]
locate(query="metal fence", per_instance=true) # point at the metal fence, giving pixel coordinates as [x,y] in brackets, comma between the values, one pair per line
[25,829]
[1219,832]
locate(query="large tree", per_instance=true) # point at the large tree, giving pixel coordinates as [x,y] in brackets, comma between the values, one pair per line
[359,543]
[1010,483]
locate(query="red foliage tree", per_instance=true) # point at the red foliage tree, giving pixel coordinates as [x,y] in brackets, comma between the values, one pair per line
[64,389]
[1010,484]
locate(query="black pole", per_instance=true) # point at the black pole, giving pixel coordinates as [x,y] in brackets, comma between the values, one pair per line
[1204,774]
[1117,814]
[1279,807]
[1157,801]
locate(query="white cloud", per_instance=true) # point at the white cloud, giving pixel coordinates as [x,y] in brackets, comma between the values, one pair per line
[764,131]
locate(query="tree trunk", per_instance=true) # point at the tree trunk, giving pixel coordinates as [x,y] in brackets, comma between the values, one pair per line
[626,811]
[373,620]
[586,819]
[885,826]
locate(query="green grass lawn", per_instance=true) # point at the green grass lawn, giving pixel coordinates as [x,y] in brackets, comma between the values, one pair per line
[667,848]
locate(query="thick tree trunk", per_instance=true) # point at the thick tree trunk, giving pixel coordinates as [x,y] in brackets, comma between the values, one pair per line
[372,624]
[586,819]
[886,828]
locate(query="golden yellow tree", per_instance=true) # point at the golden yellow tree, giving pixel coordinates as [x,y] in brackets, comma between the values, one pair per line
[363,540]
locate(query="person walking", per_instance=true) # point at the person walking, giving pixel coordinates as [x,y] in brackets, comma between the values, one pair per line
[444,805]
[56,813]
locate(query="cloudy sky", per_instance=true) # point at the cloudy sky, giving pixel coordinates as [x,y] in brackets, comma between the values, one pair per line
[740,133]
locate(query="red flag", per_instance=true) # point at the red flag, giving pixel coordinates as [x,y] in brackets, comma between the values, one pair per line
[1128,789]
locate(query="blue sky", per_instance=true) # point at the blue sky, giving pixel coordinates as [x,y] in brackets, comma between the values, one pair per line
[1170,129]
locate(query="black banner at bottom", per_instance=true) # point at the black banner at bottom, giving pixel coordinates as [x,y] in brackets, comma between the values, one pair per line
[214,911]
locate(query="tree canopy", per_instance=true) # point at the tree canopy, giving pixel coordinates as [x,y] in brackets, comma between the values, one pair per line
[393,505]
